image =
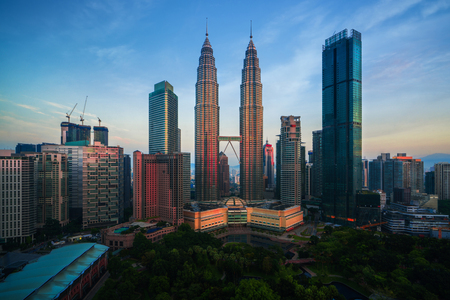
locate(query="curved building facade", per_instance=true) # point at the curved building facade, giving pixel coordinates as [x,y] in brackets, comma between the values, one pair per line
[206,126]
[251,127]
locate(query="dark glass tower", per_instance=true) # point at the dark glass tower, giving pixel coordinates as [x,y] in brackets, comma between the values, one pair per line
[206,126]
[251,127]
[268,163]
[162,119]
[341,126]
[317,168]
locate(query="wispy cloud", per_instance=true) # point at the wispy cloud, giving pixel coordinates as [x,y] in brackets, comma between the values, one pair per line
[371,16]
[32,108]
[57,105]
[432,8]
[114,54]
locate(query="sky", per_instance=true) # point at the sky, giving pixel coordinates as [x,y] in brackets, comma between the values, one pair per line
[55,53]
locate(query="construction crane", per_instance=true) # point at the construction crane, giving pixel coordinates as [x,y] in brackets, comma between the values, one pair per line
[68,115]
[82,117]
[99,121]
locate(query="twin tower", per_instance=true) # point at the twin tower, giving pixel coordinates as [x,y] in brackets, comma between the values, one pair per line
[207,127]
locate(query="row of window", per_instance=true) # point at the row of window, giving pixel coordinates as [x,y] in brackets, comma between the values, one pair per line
[6,217]
[5,233]
[211,224]
[262,222]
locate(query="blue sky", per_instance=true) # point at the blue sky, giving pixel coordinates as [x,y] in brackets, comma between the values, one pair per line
[54,53]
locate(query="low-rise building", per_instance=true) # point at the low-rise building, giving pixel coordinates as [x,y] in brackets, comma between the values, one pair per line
[411,219]
[118,237]
[66,273]
[235,212]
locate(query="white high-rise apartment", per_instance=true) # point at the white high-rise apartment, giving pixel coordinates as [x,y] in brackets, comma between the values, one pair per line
[18,197]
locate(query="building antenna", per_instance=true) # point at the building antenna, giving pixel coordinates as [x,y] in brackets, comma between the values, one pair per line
[251,35]
[206,26]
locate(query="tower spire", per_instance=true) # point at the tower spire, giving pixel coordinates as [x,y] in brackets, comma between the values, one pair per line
[251,35]
[206,26]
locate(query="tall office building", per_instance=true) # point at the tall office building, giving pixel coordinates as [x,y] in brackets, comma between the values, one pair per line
[126,181]
[310,156]
[278,169]
[392,177]
[101,135]
[71,132]
[303,170]
[206,126]
[18,197]
[291,161]
[365,173]
[429,182]
[75,162]
[308,168]
[162,119]
[317,167]
[269,163]
[442,180]
[413,172]
[224,175]
[103,177]
[52,180]
[158,186]
[341,126]
[251,127]
[376,172]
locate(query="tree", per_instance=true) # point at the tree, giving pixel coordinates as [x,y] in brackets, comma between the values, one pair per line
[158,285]
[163,296]
[252,289]
[328,229]
[314,239]
[125,289]
[115,266]
[52,227]
[140,245]
[267,264]
[108,291]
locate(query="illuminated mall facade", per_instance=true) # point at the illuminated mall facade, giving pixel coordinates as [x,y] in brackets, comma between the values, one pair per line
[236,212]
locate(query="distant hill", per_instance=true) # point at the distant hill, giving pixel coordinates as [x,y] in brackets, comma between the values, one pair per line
[430,160]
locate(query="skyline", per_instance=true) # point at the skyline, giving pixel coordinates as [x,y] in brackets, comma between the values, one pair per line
[55,54]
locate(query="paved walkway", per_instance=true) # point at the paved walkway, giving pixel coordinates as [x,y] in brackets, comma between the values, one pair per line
[309,271]
[300,261]
[97,287]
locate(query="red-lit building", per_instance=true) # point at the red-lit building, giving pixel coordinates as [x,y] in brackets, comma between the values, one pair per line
[158,186]
[224,175]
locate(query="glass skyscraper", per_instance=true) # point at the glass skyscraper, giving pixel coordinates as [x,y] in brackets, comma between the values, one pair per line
[206,126]
[317,167]
[268,162]
[251,127]
[291,161]
[341,126]
[162,119]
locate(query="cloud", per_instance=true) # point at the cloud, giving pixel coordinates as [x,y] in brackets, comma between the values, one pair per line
[373,15]
[114,54]
[434,7]
[32,108]
[57,105]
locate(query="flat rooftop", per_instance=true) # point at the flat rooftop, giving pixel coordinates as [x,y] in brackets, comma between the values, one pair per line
[51,274]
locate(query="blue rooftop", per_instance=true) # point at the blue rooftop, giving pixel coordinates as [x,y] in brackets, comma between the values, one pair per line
[52,273]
